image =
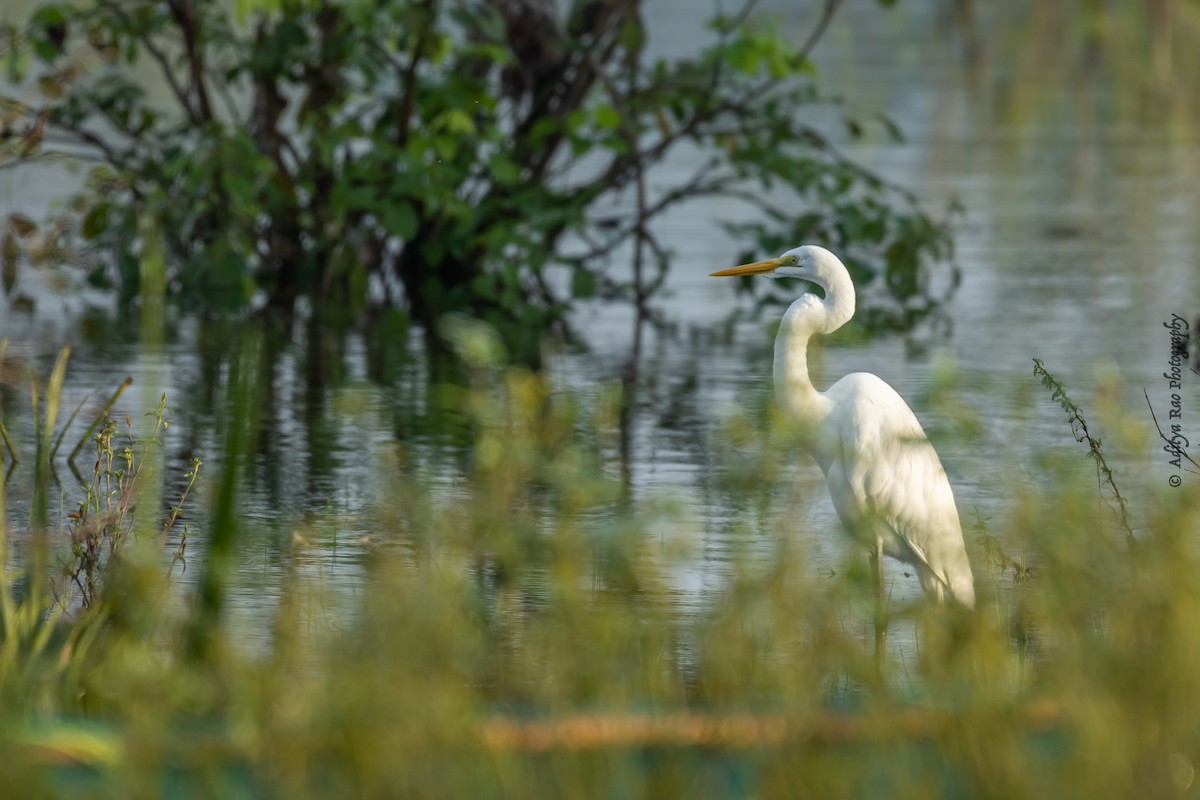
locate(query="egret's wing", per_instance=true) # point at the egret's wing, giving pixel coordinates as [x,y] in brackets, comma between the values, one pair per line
[890,475]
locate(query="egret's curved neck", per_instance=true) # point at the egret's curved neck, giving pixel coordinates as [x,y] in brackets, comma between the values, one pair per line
[794,390]
[808,315]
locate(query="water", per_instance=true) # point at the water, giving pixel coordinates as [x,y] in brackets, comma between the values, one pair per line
[1079,240]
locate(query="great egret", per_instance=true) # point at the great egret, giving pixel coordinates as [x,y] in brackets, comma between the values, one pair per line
[884,476]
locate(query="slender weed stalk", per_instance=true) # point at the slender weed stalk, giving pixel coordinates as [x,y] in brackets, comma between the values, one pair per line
[173,516]
[1079,427]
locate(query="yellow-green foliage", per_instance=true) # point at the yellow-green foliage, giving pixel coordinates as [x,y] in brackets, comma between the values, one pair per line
[518,634]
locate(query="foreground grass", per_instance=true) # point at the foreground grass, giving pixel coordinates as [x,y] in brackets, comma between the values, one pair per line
[523,639]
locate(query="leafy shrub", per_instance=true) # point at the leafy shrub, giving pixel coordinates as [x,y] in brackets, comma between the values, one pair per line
[437,156]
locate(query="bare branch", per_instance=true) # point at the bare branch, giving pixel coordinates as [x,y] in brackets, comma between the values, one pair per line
[831,7]
[159,56]
[743,14]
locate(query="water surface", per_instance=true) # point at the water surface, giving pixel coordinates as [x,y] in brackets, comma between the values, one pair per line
[1078,241]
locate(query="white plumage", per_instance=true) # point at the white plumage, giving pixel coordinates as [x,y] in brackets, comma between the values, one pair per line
[885,478]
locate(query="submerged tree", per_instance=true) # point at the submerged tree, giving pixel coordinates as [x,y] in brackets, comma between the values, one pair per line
[433,154]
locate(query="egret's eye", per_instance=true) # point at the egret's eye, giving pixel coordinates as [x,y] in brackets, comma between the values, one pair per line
[794,260]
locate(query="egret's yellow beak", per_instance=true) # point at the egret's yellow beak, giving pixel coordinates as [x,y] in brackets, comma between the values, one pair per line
[756,268]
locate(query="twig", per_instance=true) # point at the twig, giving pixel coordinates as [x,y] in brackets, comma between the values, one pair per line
[742,15]
[91,139]
[697,186]
[1079,429]
[1174,447]
[159,56]
[831,7]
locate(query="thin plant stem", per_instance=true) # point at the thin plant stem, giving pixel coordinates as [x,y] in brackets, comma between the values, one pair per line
[1079,428]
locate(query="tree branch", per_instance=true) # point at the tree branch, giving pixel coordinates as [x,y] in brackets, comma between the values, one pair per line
[831,7]
[408,75]
[185,17]
[158,55]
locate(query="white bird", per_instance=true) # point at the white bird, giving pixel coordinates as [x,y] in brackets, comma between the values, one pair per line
[886,481]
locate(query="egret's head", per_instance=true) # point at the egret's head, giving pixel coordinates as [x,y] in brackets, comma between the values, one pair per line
[807,262]
[820,312]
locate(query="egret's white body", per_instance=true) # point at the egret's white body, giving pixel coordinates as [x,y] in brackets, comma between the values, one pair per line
[885,478]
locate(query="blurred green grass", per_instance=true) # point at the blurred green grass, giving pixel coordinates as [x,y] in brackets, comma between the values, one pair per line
[522,638]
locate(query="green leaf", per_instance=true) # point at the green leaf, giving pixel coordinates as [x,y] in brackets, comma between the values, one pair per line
[779,64]
[445,147]
[455,120]
[722,23]
[98,278]
[147,122]
[399,219]
[95,222]
[632,35]
[743,55]
[607,117]
[437,48]
[18,63]
[504,170]
[484,286]
[360,198]
[574,120]
[583,283]
[45,50]
[616,144]
[47,16]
